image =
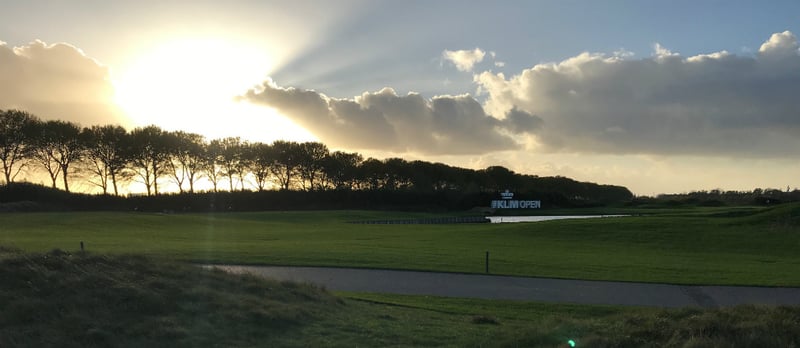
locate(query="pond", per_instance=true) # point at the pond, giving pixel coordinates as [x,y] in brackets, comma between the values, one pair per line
[505,219]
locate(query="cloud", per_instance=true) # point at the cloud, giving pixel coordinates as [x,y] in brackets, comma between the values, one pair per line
[465,60]
[57,81]
[660,52]
[716,104]
[386,121]
[780,45]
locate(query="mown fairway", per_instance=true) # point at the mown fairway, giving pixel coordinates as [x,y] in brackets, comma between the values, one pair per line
[698,246]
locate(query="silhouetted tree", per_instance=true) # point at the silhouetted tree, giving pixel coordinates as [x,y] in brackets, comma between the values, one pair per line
[260,158]
[341,169]
[186,158]
[397,174]
[107,155]
[310,164]
[57,146]
[372,174]
[42,154]
[15,141]
[149,155]
[212,152]
[111,154]
[231,160]
[287,156]
[497,178]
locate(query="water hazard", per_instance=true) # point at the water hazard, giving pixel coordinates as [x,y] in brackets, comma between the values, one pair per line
[505,219]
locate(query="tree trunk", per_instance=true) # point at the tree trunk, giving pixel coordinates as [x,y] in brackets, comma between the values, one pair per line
[155,178]
[114,183]
[64,176]
[288,178]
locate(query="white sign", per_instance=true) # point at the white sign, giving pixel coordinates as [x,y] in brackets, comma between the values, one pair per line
[507,202]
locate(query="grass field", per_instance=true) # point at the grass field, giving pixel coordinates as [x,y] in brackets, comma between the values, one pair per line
[88,300]
[745,246]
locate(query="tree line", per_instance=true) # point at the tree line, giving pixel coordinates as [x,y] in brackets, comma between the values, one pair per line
[110,157]
[717,197]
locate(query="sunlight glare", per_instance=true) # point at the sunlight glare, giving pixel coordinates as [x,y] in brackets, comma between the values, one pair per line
[190,85]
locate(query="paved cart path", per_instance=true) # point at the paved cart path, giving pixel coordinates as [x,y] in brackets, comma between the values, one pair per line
[524,288]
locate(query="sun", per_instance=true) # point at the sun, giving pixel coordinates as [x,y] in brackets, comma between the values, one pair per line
[191,85]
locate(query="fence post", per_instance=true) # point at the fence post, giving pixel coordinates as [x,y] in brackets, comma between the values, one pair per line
[487,262]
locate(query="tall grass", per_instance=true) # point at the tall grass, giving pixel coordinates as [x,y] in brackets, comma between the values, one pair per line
[528,324]
[78,300]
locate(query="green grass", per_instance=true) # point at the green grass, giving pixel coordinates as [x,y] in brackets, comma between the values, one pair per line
[90,300]
[743,246]
[59,299]
[530,324]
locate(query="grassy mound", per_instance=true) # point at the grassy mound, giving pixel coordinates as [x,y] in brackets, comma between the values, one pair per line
[78,300]
[530,324]
[786,216]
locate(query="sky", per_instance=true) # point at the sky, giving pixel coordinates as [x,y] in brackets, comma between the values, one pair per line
[657,96]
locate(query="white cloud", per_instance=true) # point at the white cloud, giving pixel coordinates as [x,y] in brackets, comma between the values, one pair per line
[661,51]
[386,121]
[711,56]
[780,44]
[465,60]
[57,81]
[716,104]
